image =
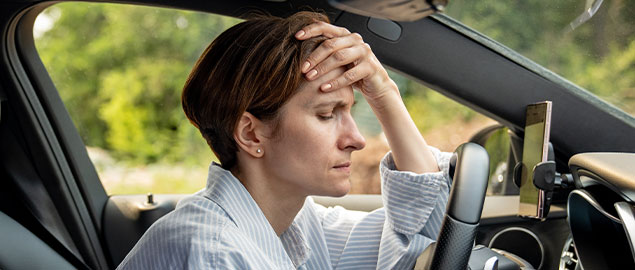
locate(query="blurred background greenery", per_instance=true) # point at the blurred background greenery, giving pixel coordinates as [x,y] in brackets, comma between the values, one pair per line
[599,55]
[120,70]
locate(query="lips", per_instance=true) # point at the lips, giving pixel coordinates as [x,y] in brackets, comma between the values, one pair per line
[343,165]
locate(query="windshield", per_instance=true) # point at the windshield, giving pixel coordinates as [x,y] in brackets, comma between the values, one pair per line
[589,42]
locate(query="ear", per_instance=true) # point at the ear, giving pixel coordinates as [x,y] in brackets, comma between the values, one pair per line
[248,135]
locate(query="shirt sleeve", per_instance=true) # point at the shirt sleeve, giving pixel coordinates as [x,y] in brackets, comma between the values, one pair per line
[415,206]
[393,236]
[410,199]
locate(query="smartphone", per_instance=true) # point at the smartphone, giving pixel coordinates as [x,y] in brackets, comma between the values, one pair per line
[535,150]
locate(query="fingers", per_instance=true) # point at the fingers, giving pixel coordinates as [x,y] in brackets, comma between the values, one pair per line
[342,51]
[349,77]
[339,58]
[321,29]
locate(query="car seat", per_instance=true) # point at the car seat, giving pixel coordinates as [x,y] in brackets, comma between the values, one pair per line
[21,249]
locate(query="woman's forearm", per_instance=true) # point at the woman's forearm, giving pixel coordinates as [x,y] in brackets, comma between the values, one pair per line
[409,150]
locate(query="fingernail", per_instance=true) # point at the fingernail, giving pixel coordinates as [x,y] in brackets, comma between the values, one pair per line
[326,86]
[306,66]
[311,74]
[300,34]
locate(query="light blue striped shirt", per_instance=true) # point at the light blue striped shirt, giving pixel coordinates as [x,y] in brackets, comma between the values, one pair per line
[222,227]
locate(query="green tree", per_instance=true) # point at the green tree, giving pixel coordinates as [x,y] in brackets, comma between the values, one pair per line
[120,70]
[596,55]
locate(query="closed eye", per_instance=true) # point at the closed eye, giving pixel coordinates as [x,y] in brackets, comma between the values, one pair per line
[325,117]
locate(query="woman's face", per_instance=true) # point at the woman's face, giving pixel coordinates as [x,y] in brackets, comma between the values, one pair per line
[311,153]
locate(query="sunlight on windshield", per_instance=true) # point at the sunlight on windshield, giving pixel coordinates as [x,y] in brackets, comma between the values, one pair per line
[589,42]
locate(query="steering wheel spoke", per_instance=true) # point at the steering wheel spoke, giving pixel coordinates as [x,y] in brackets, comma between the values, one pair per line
[465,204]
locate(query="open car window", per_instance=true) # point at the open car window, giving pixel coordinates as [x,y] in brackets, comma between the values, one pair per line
[120,70]
[589,42]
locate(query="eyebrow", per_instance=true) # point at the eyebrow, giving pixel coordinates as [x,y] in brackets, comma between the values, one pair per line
[335,103]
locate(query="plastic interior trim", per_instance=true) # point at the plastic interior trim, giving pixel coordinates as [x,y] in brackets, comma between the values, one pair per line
[466,202]
[627,215]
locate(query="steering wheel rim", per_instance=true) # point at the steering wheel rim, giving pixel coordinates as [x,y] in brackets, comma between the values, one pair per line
[465,204]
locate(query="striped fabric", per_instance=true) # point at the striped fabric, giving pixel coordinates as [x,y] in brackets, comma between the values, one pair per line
[222,227]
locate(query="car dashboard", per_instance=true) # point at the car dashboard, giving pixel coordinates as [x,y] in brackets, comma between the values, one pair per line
[601,214]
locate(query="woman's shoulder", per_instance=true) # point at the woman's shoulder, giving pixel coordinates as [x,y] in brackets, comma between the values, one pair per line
[194,217]
[188,235]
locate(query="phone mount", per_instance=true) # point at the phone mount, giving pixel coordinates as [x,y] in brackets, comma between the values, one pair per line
[544,173]
[544,176]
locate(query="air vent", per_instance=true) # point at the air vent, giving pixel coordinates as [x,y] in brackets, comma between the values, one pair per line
[522,243]
[569,257]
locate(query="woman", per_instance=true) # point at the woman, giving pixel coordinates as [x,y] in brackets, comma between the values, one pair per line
[272,97]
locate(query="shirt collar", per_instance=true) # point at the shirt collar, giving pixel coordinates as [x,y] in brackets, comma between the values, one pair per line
[230,194]
[294,241]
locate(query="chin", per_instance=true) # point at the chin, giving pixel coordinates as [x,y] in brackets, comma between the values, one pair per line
[340,194]
[340,189]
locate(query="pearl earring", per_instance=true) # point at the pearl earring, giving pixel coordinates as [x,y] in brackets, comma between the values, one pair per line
[258,151]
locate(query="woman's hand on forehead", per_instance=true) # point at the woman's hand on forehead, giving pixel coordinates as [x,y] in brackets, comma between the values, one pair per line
[347,49]
[343,48]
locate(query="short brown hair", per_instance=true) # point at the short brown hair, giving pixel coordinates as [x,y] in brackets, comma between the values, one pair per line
[253,66]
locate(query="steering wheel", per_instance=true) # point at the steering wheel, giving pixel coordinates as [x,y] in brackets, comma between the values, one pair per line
[469,169]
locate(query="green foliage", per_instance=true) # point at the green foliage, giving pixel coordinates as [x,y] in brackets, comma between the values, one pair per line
[142,110]
[598,55]
[430,110]
[497,146]
[612,78]
[120,70]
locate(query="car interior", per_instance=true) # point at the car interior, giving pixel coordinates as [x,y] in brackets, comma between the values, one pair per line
[55,213]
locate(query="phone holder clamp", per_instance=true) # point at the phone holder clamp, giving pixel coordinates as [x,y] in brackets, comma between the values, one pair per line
[544,173]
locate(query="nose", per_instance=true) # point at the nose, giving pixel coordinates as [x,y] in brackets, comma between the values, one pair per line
[350,138]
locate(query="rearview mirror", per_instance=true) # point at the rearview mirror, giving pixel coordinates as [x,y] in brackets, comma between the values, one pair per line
[396,10]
